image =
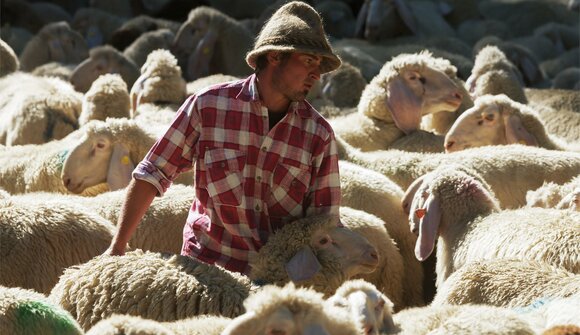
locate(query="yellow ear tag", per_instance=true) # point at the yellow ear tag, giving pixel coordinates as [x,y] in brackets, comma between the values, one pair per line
[522,142]
[125,160]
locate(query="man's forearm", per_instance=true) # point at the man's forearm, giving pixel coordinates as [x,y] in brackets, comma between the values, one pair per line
[139,196]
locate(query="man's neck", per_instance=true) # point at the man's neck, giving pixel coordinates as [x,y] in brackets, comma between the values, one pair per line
[271,99]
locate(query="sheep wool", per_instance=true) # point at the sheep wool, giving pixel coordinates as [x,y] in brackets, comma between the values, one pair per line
[107,97]
[8,61]
[26,312]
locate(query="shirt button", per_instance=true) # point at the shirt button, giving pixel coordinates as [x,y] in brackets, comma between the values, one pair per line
[264,149]
[258,178]
[293,183]
[223,165]
[257,208]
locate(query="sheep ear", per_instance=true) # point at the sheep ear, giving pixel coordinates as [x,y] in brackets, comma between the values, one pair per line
[428,228]
[410,194]
[137,93]
[303,265]
[198,62]
[120,168]
[405,107]
[244,324]
[515,132]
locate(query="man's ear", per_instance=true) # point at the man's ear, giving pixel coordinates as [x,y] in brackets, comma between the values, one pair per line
[273,57]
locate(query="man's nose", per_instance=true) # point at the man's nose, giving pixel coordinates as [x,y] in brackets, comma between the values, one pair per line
[315,74]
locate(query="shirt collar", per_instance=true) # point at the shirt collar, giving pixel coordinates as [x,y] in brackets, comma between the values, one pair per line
[249,92]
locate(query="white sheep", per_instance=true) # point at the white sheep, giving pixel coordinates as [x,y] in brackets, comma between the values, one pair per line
[203,82]
[506,283]
[54,42]
[107,97]
[160,84]
[368,307]
[551,195]
[311,251]
[498,120]
[29,312]
[54,69]
[375,194]
[392,104]
[493,73]
[102,60]
[210,36]
[64,234]
[107,151]
[36,109]
[390,275]
[454,209]
[8,60]
[460,319]
[558,110]
[510,170]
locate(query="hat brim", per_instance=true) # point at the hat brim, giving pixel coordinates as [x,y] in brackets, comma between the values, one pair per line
[330,61]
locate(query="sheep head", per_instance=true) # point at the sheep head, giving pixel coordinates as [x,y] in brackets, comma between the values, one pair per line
[445,197]
[493,120]
[408,87]
[104,153]
[313,251]
[368,306]
[379,19]
[290,311]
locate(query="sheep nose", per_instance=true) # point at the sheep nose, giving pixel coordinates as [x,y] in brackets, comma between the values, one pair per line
[448,145]
[458,96]
[406,207]
[374,255]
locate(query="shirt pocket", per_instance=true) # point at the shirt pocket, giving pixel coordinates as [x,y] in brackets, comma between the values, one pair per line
[290,182]
[224,174]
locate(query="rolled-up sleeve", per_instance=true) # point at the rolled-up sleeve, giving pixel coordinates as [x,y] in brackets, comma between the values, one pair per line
[174,152]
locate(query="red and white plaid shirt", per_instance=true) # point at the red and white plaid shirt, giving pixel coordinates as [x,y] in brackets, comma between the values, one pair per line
[249,180]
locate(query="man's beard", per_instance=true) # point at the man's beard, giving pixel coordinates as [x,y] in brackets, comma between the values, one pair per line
[285,90]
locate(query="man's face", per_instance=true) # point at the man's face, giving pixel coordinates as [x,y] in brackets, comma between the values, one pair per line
[294,76]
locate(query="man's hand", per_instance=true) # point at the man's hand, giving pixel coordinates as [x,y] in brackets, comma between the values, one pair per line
[114,250]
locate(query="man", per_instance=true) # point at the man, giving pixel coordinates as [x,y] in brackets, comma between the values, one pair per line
[263,155]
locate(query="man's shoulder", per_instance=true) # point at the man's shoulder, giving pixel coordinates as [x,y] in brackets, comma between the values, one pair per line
[322,124]
[222,89]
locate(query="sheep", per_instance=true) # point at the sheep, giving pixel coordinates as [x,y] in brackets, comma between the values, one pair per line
[103,59]
[161,228]
[8,60]
[462,319]
[367,190]
[541,47]
[510,170]
[107,97]
[391,105]
[36,110]
[338,18]
[344,86]
[558,110]
[553,313]
[498,120]
[552,195]
[389,277]
[567,59]
[16,37]
[367,306]
[563,36]
[108,151]
[456,207]
[493,73]
[128,324]
[160,82]
[54,42]
[197,288]
[211,42]
[132,29]
[121,9]
[289,310]
[506,283]
[148,42]
[64,234]
[518,55]
[95,25]
[567,79]
[368,65]
[54,69]
[201,83]
[475,29]
[29,312]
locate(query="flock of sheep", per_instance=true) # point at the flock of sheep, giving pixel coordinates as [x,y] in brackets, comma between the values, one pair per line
[458,127]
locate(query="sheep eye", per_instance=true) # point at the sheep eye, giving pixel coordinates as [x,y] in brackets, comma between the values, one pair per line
[381,304]
[100,145]
[489,117]
[422,80]
[323,241]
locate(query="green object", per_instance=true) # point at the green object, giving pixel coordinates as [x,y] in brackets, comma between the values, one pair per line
[35,316]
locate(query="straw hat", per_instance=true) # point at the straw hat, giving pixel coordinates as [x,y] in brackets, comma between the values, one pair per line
[296,27]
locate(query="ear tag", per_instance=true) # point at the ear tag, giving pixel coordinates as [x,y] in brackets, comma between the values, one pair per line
[125,160]
[522,142]
[420,213]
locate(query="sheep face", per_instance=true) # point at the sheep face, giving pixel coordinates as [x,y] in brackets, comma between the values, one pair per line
[191,35]
[489,122]
[368,307]
[103,60]
[87,163]
[379,19]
